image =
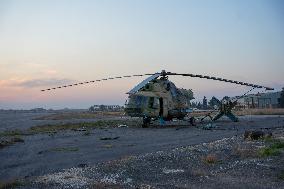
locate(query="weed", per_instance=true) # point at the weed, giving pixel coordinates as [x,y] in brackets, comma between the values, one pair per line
[273,149]
[87,133]
[278,144]
[281,175]
[268,151]
[11,133]
[210,159]
[11,184]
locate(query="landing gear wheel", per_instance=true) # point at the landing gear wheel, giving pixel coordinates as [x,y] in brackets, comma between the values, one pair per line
[192,121]
[146,122]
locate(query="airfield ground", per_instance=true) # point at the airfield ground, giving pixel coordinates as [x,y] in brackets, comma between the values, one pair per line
[47,150]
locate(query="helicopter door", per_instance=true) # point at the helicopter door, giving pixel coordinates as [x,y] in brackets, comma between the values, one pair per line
[161,102]
[165,107]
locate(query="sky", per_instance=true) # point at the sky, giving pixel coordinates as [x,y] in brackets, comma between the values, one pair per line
[56,42]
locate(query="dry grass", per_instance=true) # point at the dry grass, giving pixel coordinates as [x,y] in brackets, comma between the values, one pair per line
[210,159]
[10,137]
[80,115]
[74,126]
[199,172]
[11,133]
[281,175]
[100,185]
[243,152]
[64,149]
[11,184]
[268,111]
[10,141]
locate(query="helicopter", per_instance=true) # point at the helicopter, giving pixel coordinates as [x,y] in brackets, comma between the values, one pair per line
[157,97]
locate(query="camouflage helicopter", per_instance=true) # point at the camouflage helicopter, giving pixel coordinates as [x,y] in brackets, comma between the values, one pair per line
[158,98]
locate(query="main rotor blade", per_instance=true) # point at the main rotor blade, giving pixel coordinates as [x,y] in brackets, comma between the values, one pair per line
[143,83]
[89,82]
[221,79]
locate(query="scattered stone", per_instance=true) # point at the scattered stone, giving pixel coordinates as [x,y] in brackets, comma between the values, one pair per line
[79,129]
[4,143]
[168,171]
[254,135]
[82,165]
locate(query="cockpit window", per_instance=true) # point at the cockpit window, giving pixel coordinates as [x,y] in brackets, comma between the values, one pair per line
[153,102]
[137,101]
[142,101]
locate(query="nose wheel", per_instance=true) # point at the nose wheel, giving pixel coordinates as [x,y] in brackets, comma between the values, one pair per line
[146,122]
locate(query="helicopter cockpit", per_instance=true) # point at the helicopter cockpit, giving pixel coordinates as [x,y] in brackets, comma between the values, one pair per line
[147,105]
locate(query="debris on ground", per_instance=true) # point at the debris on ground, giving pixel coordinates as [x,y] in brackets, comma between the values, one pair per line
[79,129]
[209,126]
[256,135]
[109,138]
[10,141]
[119,126]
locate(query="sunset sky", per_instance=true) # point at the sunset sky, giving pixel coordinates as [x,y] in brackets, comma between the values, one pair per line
[54,42]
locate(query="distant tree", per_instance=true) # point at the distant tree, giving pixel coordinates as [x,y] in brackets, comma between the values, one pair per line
[213,102]
[281,100]
[204,103]
[92,109]
[103,107]
[199,106]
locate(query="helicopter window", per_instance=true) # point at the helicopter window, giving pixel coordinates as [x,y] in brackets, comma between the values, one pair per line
[139,100]
[168,87]
[153,102]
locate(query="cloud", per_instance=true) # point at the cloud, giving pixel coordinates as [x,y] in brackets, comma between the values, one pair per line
[45,82]
[33,83]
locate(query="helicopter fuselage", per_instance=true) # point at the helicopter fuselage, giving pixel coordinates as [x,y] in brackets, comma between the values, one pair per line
[159,98]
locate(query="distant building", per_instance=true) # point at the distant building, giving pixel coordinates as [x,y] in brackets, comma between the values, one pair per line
[260,100]
[37,110]
[106,108]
